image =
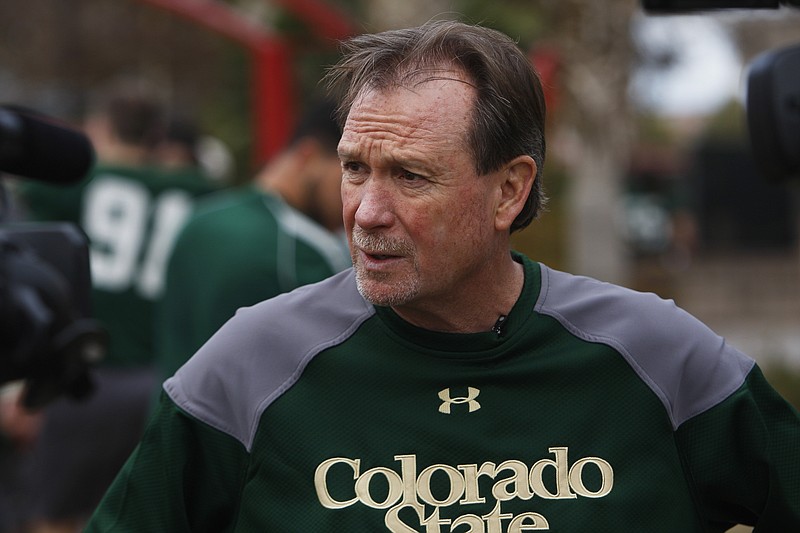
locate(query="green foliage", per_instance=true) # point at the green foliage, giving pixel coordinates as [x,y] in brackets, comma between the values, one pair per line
[729,123]
[654,129]
[520,19]
[311,54]
[545,239]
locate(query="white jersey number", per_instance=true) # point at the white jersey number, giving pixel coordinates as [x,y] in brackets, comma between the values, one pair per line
[132,234]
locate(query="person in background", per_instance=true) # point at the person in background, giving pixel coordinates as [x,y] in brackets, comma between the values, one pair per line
[130,210]
[446,382]
[242,246]
[178,149]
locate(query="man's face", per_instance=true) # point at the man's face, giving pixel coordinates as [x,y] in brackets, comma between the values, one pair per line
[418,217]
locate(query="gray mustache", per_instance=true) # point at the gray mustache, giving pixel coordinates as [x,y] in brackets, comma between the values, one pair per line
[381,244]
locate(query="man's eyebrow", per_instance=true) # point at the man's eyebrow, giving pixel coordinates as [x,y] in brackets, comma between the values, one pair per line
[406,161]
[345,153]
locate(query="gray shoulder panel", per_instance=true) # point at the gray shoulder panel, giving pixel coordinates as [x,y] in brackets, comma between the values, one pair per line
[262,351]
[688,367]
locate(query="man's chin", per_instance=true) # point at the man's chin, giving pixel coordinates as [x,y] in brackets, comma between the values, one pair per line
[383,290]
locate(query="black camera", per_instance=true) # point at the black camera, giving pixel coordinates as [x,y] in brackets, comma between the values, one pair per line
[47,335]
[773,112]
[685,6]
[773,91]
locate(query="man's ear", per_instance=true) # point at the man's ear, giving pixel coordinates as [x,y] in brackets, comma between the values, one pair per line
[516,180]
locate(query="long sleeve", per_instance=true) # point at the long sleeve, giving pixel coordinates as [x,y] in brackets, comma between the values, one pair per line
[183,476]
[742,456]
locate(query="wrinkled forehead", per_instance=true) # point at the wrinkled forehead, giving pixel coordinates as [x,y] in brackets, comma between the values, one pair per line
[424,127]
[432,115]
[441,99]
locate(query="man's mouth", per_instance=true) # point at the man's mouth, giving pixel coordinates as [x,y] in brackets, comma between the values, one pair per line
[382,257]
[380,249]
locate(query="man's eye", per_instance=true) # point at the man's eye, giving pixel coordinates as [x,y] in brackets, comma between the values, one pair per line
[410,176]
[350,166]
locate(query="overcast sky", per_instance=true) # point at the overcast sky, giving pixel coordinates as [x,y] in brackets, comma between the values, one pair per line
[707,71]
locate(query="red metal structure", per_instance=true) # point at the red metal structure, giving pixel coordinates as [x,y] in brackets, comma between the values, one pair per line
[270,58]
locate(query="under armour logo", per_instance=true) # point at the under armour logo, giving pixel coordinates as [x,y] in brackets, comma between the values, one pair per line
[469,399]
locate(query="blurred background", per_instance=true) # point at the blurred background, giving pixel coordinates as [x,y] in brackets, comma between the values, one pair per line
[649,173]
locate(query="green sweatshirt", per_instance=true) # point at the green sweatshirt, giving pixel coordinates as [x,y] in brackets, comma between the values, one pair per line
[595,408]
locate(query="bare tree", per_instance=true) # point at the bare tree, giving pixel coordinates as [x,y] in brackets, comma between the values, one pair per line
[592,133]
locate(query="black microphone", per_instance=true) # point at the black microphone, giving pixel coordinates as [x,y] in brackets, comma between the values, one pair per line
[499,326]
[37,147]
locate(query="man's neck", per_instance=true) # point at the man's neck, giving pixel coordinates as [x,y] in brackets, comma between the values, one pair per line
[475,310]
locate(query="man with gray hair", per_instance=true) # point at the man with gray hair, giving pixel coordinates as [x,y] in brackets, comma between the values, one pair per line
[447,383]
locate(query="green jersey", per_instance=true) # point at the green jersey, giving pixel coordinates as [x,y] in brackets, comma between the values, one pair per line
[239,248]
[131,216]
[591,408]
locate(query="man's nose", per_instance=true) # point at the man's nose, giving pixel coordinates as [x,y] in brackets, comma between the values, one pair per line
[376,205]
